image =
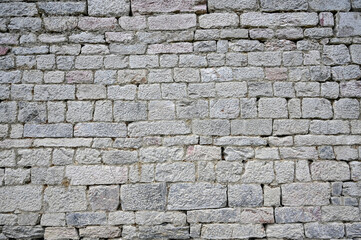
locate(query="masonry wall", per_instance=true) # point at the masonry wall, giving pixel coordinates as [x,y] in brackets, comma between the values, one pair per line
[183,119]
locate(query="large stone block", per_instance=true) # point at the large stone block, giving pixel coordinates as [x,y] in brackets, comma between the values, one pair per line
[348,24]
[92,175]
[245,195]
[108,7]
[143,196]
[62,199]
[20,198]
[304,194]
[188,196]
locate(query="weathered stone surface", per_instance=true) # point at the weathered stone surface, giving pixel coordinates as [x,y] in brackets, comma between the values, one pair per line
[150,7]
[57,233]
[91,175]
[172,22]
[143,196]
[175,172]
[86,218]
[324,230]
[297,214]
[283,5]
[226,215]
[158,128]
[330,171]
[20,232]
[255,19]
[108,7]
[188,196]
[104,198]
[245,195]
[340,213]
[304,194]
[258,172]
[22,198]
[347,24]
[100,130]
[293,231]
[61,199]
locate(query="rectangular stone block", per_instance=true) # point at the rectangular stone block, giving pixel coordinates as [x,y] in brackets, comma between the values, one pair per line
[54,92]
[297,214]
[232,5]
[283,5]
[340,213]
[150,7]
[56,130]
[182,47]
[108,7]
[62,8]
[17,9]
[211,127]
[100,130]
[292,231]
[188,196]
[86,218]
[348,24]
[138,129]
[172,22]
[143,196]
[245,195]
[257,127]
[175,172]
[57,233]
[304,194]
[225,215]
[92,175]
[214,20]
[329,5]
[20,198]
[324,230]
[256,19]
[157,218]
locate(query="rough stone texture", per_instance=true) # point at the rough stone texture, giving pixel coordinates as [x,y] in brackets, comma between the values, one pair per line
[183,119]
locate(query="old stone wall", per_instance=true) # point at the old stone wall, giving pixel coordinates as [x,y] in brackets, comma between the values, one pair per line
[180,119]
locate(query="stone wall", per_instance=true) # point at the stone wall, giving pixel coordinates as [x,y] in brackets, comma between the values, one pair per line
[182,119]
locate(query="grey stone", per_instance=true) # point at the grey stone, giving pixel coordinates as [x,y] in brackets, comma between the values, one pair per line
[297,214]
[321,5]
[17,9]
[347,109]
[324,230]
[258,172]
[104,198]
[257,19]
[20,232]
[61,199]
[238,153]
[192,109]
[62,8]
[228,171]
[224,108]
[316,108]
[167,231]
[138,129]
[303,194]
[211,127]
[108,8]
[336,55]
[23,198]
[225,215]
[245,195]
[175,172]
[340,213]
[91,175]
[292,231]
[143,196]
[284,5]
[100,130]
[48,130]
[130,111]
[199,196]
[251,127]
[157,218]
[172,22]
[57,233]
[86,218]
[215,20]
[272,108]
